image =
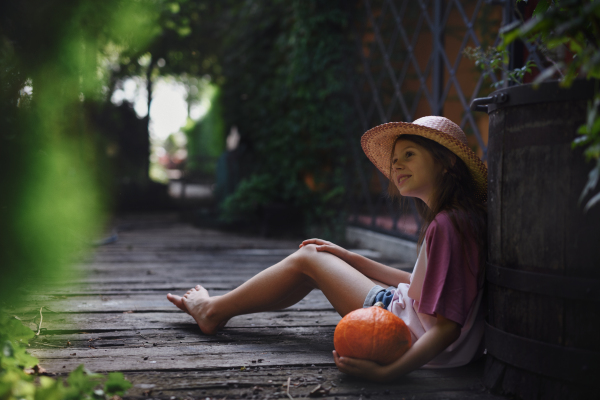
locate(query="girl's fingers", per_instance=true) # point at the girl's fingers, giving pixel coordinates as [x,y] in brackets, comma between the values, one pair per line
[315,241]
[328,248]
[345,366]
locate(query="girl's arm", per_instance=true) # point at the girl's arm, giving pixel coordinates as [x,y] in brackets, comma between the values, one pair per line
[432,343]
[371,269]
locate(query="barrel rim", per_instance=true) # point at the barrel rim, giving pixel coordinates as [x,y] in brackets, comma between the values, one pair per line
[546,92]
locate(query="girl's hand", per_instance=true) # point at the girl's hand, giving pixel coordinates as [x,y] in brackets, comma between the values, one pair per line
[323,245]
[362,368]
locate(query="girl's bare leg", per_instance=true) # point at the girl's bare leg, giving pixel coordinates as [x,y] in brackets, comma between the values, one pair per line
[280,286]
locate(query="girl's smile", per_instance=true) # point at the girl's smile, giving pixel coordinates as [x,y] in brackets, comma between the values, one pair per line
[401,179]
[414,170]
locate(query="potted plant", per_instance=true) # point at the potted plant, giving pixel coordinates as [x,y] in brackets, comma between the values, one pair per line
[544,163]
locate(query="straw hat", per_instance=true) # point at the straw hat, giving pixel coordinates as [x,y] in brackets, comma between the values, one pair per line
[377,145]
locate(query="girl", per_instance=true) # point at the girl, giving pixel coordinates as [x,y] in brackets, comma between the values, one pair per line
[428,160]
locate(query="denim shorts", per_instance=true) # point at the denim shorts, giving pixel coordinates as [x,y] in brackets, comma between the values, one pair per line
[377,293]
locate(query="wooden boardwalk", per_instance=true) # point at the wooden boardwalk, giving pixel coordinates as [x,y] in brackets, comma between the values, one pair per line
[112,315]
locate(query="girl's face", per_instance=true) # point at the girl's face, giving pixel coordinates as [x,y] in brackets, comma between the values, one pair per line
[414,170]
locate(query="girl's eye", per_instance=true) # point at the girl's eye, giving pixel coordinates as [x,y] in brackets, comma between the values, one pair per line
[394,161]
[409,153]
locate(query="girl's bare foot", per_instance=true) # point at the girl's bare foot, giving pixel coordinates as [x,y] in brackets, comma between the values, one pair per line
[178,301]
[197,303]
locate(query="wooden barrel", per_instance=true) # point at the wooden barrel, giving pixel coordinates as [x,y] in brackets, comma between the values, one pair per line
[543,271]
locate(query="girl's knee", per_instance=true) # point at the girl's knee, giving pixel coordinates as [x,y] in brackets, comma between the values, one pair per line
[306,252]
[305,256]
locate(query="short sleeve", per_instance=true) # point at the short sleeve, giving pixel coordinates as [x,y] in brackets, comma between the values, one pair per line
[449,287]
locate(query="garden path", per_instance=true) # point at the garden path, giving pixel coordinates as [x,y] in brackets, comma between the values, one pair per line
[112,315]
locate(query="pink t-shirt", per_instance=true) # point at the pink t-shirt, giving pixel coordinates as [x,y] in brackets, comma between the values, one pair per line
[443,282]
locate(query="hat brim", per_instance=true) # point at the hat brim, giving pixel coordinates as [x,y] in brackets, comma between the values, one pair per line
[377,144]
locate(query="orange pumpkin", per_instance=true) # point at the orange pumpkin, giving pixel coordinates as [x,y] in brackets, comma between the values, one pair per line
[373,334]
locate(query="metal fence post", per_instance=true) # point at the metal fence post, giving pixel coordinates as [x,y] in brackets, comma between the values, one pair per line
[438,60]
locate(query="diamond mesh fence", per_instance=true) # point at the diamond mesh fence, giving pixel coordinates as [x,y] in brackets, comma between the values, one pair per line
[410,64]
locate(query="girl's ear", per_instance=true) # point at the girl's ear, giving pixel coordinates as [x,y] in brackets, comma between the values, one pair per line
[453,159]
[452,162]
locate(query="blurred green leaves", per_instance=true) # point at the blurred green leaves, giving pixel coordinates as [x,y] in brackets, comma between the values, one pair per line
[52,56]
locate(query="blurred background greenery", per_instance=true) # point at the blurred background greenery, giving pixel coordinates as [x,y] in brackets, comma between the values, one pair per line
[263,103]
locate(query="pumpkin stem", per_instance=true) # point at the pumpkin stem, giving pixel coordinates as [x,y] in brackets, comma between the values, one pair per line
[379,304]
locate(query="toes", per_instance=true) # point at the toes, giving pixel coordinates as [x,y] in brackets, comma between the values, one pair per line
[177,301]
[173,299]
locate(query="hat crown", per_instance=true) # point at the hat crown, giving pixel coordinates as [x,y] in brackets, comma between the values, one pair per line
[444,125]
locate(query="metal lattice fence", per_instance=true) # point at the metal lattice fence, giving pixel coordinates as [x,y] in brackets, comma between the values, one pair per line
[411,64]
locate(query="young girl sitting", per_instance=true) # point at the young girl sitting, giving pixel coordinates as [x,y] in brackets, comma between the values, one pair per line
[430,161]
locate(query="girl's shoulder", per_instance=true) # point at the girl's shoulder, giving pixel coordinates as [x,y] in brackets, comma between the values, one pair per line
[442,220]
[449,222]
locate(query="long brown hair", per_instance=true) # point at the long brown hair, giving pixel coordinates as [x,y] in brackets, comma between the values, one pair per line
[453,193]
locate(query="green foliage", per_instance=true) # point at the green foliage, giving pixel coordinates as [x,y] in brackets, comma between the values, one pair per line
[50,165]
[14,336]
[251,193]
[493,60]
[287,92]
[55,59]
[567,26]
[116,384]
[50,203]
[571,24]
[590,137]
[16,384]
[206,137]
[182,35]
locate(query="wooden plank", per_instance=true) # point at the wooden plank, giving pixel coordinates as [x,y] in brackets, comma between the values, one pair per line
[181,337]
[132,286]
[206,356]
[135,301]
[102,322]
[165,257]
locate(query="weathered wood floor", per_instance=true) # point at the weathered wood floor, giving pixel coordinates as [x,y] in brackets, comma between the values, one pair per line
[114,316]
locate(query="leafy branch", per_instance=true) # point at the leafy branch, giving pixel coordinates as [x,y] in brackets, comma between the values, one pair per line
[493,60]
